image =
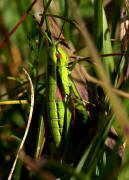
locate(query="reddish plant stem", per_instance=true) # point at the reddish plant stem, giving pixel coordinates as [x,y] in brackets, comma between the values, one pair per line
[3,43]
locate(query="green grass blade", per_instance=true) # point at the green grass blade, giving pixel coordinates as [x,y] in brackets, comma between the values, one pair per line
[107,47]
[113,162]
[40,138]
[68,124]
[61,170]
[94,147]
[46,5]
[17,173]
[102,36]
[92,155]
[98,24]
[115,15]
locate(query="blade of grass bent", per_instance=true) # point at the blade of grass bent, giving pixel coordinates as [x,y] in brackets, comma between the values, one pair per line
[27,127]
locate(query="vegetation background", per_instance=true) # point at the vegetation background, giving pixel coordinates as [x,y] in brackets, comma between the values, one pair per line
[98,142]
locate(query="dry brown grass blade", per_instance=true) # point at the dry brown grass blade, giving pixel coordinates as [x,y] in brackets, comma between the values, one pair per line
[14,102]
[28,124]
[115,102]
[94,80]
[106,2]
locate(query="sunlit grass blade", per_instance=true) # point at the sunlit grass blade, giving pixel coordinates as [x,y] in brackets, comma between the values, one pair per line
[13,102]
[102,35]
[107,47]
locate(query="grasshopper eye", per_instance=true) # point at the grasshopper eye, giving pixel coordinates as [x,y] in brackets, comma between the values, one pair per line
[58,55]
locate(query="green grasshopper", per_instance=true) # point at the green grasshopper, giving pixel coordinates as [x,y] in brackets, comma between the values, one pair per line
[57,71]
[57,75]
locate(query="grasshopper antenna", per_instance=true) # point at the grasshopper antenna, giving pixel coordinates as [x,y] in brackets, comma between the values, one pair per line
[59,38]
